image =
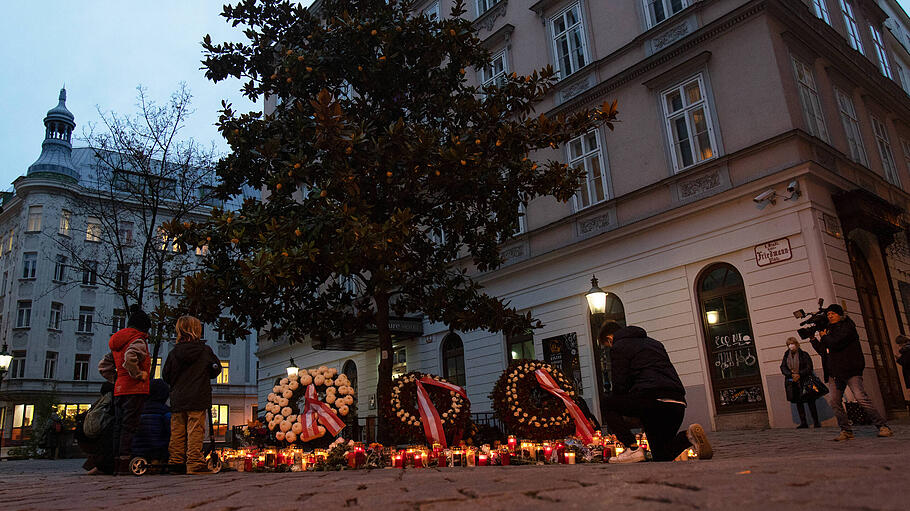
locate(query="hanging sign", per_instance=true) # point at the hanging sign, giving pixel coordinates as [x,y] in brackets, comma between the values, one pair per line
[773,252]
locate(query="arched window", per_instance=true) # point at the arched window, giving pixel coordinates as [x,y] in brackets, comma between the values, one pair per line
[453,359]
[729,342]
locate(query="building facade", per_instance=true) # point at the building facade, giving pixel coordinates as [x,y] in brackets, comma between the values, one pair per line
[762,162]
[56,315]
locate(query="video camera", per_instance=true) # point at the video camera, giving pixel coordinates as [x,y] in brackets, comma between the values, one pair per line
[816,321]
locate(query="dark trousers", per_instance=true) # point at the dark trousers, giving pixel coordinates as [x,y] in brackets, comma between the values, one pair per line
[659,420]
[800,406]
[127,412]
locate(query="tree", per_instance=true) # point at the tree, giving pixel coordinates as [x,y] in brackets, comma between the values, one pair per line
[143,175]
[385,168]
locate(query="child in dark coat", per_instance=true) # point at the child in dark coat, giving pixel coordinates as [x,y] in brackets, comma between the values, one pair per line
[189,370]
[154,433]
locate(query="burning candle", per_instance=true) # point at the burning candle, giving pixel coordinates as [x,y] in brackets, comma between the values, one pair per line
[547,451]
[570,458]
[513,443]
[423,459]
[457,458]
[505,457]
[692,453]
[470,457]
[482,460]
[397,461]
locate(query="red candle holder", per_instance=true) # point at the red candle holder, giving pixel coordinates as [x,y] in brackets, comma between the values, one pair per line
[505,458]
[441,459]
[513,443]
[482,460]
[397,461]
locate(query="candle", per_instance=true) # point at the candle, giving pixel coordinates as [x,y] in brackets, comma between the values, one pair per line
[441,458]
[423,460]
[470,457]
[397,461]
[457,458]
[692,453]
[482,460]
[560,453]
[570,458]
[547,451]
[505,457]
[248,464]
[513,443]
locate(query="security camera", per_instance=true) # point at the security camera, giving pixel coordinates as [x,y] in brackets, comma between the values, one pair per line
[765,196]
[793,190]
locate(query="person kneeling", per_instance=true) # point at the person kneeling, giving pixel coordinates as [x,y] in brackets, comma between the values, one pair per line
[646,386]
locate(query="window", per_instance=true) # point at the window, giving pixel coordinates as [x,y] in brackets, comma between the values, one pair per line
[223,377]
[522,219]
[86,318]
[3,285]
[34,219]
[29,265]
[177,285]
[399,361]
[69,411]
[50,365]
[584,152]
[17,366]
[118,320]
[90,273]
[880,52]
[521,346]
[9,241]
[24,314]
[56,316]
[122,278]
[850,22]
[495,72]
[453,359]
[22,419]
[202,251]
[93,229]
[884,150]
[220,420]
[808,96]
[689,124]
[569,41]
[432,12]
[60,269]
[905,145]
[821,10]
[66,218]
[659,10]
[166,241]
[482,6]
[157,375]
[851,127]
[80,370]
[126,232]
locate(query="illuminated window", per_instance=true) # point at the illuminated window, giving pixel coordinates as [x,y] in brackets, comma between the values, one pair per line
[34,218]
[157,369]
[220,420]
[22,420]
[689,124]
[223,378]
[521,346]
[65,219]
[93,229]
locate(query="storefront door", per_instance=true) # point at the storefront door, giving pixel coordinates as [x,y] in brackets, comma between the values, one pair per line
[876,330]
[732,357]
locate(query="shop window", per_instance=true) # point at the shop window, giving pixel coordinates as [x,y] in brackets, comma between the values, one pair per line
[220,420]
[23,415]
[520,346]
[732,355]
[453,359]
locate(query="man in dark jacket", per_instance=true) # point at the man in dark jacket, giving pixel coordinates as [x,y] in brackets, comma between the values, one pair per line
[189,370]
[846,363]
[646,385]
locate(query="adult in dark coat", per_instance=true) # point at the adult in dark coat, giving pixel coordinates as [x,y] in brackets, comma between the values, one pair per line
[846,362]
[797,366]
[99,451]
[646,386]
[154,432]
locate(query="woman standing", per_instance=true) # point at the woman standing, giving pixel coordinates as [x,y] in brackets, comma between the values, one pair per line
[796,366]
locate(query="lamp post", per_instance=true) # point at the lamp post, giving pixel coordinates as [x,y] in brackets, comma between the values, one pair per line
[292,369]
[597,298]
[5,359]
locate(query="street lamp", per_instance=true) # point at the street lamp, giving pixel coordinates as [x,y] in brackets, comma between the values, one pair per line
[292,369]
[597,298]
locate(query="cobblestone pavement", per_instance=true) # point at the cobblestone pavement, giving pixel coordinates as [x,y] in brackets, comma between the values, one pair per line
[769,470]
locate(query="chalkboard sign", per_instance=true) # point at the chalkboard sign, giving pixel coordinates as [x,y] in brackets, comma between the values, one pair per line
[562,352]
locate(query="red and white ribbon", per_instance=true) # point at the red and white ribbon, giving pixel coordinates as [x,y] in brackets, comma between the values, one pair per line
[432,425]
[583,427]
[316,412]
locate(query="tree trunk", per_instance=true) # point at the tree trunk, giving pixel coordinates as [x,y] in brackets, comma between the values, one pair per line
[384,383]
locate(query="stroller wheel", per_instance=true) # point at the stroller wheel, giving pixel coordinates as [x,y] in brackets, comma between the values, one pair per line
[215,464]
[139,466]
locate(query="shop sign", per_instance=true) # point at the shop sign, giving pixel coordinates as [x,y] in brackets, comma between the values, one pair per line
[773,252]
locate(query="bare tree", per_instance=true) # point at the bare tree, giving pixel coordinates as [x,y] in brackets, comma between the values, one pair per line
[143,174]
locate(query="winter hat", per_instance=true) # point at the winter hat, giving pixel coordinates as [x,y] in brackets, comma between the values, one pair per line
[837,309]
[138,319]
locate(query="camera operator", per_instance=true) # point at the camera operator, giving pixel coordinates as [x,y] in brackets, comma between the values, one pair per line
[846,362]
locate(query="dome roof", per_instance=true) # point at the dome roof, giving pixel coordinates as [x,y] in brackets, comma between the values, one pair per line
[60,112]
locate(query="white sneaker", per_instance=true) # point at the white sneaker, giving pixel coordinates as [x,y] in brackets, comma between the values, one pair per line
[629,456]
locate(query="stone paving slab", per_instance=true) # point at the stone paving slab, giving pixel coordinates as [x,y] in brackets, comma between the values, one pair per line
[771,469]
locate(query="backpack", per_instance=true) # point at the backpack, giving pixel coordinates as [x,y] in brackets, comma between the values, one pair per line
[99,416]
